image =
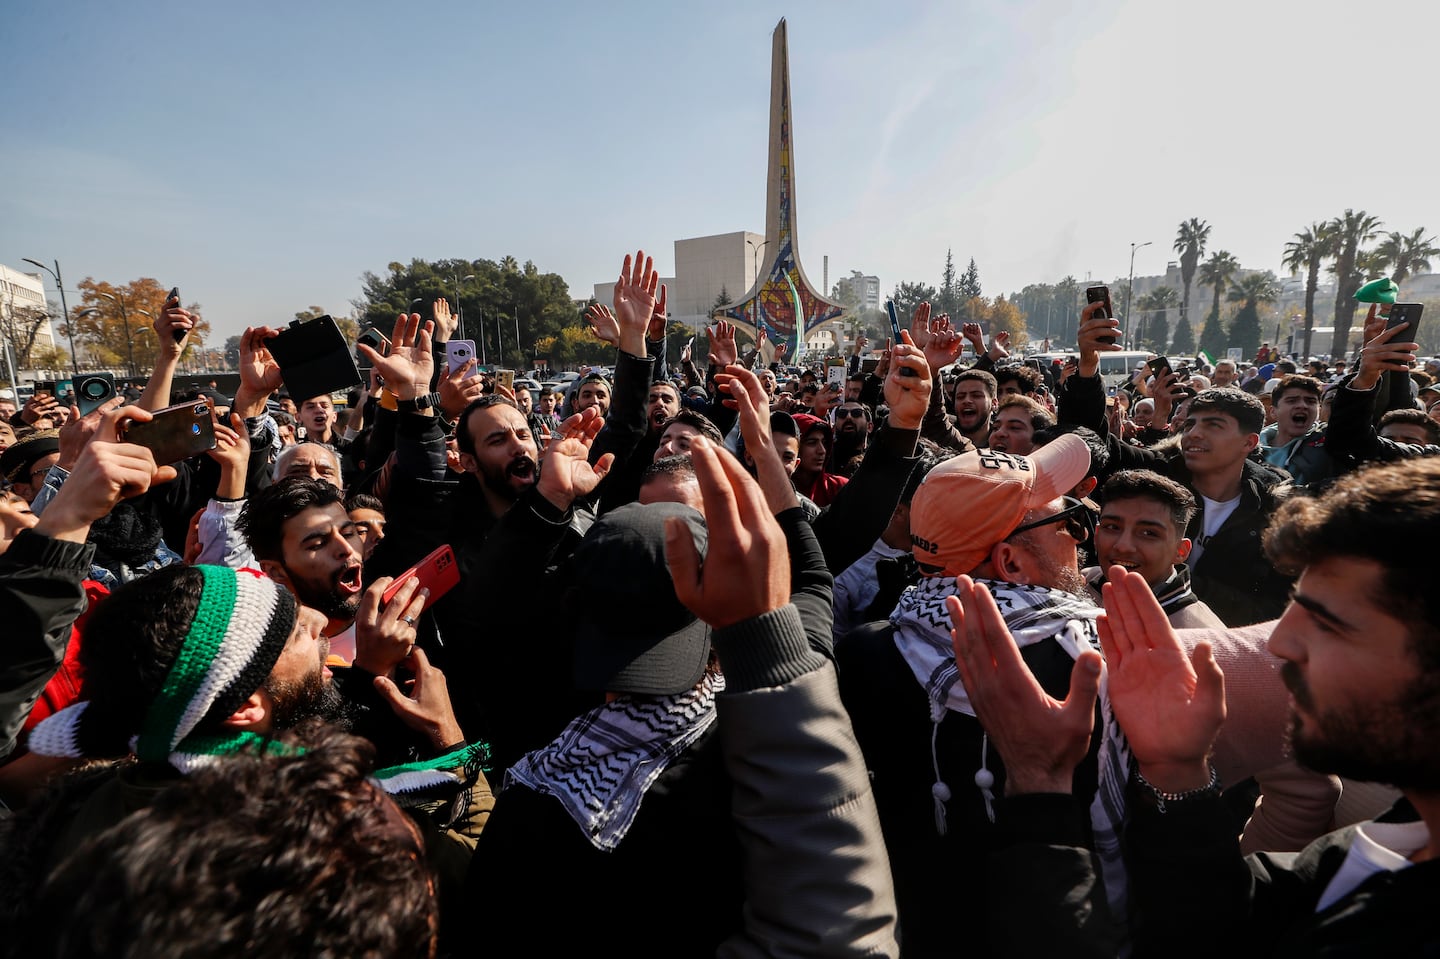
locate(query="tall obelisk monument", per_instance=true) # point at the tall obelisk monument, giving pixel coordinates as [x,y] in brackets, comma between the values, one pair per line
[771,303]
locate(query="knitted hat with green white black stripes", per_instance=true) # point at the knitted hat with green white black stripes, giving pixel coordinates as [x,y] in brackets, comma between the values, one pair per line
[240,628]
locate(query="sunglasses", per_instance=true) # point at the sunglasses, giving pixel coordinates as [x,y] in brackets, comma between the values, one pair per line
[842,413]
[1076,516]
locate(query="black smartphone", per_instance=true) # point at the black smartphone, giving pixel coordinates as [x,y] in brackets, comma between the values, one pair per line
[47,386]
[173,434]
[92,391]
[1101,294]
[895,334]
[314,359]
[1159,366]
[1406,313]
[174,294]
[374,339]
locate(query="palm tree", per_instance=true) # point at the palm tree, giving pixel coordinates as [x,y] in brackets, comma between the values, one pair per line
[1310,248]
[1156,303]
[1190,244]
[1251,290]
[1352,229]
[1216,273]
[1407,255]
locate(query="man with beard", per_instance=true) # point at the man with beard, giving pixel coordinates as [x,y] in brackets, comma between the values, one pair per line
[538,515]
[1004,519]
[190,665]
[852,436]
[974,402]
[303,538]
[1361,653]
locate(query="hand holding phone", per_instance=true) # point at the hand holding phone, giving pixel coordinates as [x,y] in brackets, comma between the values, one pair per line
[895,333]
[1408,314]
[458,353]
[173,434]
[173,299]
[437,572]
[1101,294]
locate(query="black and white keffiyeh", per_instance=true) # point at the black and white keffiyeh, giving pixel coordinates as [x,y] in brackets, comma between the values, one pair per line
[601,764]
[1032,614]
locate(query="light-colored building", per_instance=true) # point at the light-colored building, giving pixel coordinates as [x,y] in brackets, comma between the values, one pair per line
[864,289]
[21,293]
[705,267]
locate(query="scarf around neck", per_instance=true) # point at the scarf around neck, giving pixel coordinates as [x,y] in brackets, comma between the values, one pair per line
[602,763]
[1032,614]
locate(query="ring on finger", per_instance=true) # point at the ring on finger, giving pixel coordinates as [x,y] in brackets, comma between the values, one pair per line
[408,620]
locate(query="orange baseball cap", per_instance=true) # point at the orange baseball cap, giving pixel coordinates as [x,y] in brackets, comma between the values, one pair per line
[971,502]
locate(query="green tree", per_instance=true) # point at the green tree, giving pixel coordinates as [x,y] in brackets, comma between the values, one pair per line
[1216,273]
[1183,342]
[1251,290]
[1407,253]
[908,296]
[1307,251]
[721,299]
[1155,326]
[1213,338]
[949,298]
[1190,244]
[492,299]
[1352,230]
[970,282]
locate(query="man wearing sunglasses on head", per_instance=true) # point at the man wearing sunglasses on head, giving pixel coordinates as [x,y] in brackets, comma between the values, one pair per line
[1008,521]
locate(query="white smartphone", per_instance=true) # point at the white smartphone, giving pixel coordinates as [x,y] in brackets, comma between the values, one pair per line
[458,353]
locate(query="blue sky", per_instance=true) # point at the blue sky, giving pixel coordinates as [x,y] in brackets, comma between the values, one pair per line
[263,155]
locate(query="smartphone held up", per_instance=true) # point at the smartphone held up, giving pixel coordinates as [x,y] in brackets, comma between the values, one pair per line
[1101,294]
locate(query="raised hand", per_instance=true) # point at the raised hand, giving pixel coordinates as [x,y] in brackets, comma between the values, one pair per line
[944,344]
[907,385]
[259,372]
[385,636]
[971,332]
[658,317]
[106,471]
[172,327]
[40,406]
[723,351]
[1040,740]
[746,571]
[79,430]
[1169,704]
[408,366]
[635,301]
[920,325]
[426,709]
[602,323]
[1096,335]
[747,395]
[1384,349]
[566,473]
[459,389]
[445,321]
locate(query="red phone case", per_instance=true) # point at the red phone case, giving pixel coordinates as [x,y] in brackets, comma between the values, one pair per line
[437,572]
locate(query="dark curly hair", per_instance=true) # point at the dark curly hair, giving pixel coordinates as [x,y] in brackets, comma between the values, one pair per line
[252,856]
[262,521]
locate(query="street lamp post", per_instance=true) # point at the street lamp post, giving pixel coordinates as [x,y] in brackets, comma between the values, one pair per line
[1130,292]
[519,353]
[69,327]
[460,310]
[91,311]
[129,340]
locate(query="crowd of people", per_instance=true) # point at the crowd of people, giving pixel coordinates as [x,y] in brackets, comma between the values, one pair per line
[945,658]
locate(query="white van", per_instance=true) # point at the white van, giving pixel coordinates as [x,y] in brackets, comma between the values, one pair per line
[1115,368]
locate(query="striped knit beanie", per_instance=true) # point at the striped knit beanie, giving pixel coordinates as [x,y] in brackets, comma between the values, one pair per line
[241,626]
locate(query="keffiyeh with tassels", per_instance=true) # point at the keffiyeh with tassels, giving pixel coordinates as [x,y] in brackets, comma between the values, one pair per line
[600,766]
[1033,614]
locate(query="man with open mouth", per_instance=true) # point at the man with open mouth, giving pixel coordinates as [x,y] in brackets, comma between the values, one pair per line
[1296,440]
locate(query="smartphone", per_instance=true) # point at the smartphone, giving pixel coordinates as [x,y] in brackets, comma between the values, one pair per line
[174,294]
[374,339]
[505,378]
[1101,294]
[1406,313]
[47,386]
[437,572]
[92,391]
[1159,366]
[173,434]
[835,376]
[314,358]
[895,333]
[457,353]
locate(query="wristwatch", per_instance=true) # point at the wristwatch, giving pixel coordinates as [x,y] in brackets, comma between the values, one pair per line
[419,404]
